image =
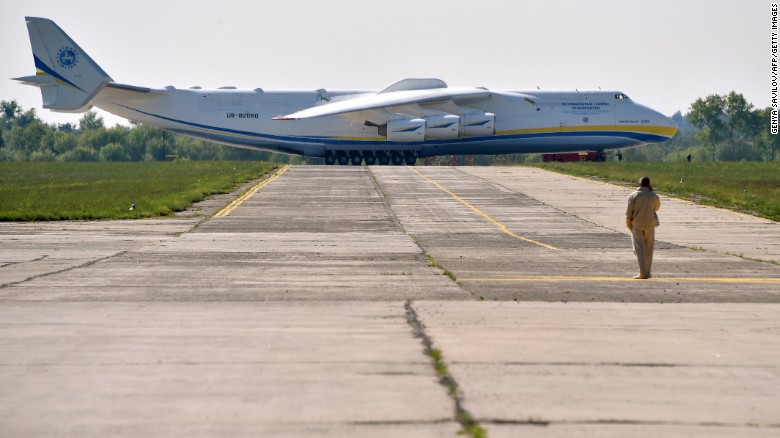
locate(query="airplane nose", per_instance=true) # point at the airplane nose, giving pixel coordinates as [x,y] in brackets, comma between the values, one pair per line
[664,126]
[670,124]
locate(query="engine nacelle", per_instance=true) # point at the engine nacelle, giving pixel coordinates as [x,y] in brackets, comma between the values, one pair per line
[406,130]
[477,124]
[442,127]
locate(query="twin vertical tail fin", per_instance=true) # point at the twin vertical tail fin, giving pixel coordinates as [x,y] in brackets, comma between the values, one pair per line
[68,78]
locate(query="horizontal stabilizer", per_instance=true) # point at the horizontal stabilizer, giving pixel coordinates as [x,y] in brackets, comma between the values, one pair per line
[37,80]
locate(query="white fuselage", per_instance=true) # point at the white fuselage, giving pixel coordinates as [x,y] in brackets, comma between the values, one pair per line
[525,121]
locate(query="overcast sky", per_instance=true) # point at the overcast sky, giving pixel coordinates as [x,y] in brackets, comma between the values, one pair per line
[664,54]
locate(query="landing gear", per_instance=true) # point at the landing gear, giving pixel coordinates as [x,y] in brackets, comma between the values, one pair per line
[330,159]
[356,158]
[342,158]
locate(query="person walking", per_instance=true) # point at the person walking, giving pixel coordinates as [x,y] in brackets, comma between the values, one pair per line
[641,219]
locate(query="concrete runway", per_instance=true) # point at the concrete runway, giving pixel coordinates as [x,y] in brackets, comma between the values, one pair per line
[303,312]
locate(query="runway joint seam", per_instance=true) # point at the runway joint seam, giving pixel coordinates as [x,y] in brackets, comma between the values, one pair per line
[470,426]
[46,274]
[397,222]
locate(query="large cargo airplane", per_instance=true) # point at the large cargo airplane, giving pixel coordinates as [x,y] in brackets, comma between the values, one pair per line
[410,119]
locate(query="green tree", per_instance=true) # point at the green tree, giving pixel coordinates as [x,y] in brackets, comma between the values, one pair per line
[707,114]
[80,153]
[43,155]
[189,148]
[738,150]
[725,122]
[93,139]
[66,127]
[9,109]
[26,118]
[158,146]
[118,134]
[63,142]
[90,121]
[113,152]
[23,141]
[740,119]
[135,143]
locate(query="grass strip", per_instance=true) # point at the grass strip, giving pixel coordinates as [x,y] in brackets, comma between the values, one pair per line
[38,191]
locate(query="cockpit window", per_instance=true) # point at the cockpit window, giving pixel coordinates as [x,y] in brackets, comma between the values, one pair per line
[620,96]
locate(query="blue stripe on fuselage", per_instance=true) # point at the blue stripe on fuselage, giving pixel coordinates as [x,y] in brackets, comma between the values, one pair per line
[258,137]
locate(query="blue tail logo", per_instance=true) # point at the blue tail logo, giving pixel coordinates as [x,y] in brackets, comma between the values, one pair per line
[67,57]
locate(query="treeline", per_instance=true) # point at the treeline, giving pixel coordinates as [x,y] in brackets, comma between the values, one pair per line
[25,137]
[716,128]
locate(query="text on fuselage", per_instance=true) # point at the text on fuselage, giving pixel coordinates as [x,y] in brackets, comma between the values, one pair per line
[242,115]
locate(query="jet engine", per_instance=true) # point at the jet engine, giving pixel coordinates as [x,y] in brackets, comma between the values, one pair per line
[477,124]
[406,130]
[442,127]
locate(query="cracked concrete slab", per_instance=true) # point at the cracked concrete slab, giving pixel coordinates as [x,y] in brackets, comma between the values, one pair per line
[683,365]
[125,369]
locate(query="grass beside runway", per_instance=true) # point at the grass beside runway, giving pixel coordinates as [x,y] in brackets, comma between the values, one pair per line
[749,187]
[76,190]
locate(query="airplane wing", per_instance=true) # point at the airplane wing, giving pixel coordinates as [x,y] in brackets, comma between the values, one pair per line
[389,101]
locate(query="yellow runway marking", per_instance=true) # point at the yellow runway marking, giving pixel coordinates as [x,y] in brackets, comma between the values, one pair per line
[554,278]
[233,205]
[500,226]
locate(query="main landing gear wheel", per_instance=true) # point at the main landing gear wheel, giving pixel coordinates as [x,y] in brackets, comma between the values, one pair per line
[369,158]
[356,160]
[384,160]
[410,158]
[330,159]
[397,158]
[343,159]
